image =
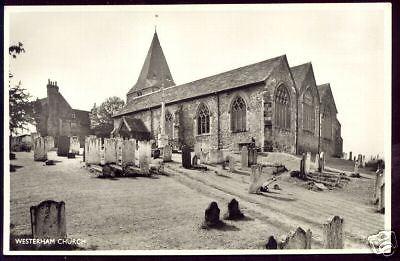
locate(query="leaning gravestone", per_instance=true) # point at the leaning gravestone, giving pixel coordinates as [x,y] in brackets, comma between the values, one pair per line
[211,216]
[186,158]
[167,153]
[258,176]
[63,146]
[234,212]
[298,239]
[333,233]
[48,220]
[40,149]
[244,157]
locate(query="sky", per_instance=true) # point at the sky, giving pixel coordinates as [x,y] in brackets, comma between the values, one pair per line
[97,52]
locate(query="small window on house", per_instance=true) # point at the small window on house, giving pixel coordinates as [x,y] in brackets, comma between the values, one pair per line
[203,119]
[308,111]
[238,115]
[282,108]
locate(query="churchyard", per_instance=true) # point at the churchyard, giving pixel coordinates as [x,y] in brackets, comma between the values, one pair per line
[167,210]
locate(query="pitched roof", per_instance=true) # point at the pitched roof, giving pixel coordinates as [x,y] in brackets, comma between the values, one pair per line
[326,91]
[135,127]
[239,77]
[299,73]
[155,71]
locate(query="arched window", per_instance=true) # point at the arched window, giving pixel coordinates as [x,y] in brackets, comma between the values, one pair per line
[308,111]
[282,108]
[326,123]
[238,115]
[203,119]
[169,125]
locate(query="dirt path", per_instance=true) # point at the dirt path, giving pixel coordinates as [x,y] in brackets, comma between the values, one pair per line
[296,207]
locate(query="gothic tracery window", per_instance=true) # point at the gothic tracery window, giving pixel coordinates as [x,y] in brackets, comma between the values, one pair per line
[308,111]
[238,115]
[203,119]
[282,108]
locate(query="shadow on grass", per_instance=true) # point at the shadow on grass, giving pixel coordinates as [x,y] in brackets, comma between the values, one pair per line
[223,176]
[221,226]
[278,198]
[24,244]
[241,173]
[244,218]
[13,168]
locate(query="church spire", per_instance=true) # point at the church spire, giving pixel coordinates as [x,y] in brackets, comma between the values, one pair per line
[155,72]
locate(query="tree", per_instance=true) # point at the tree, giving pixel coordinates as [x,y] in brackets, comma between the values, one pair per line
[20,108]
[101,122]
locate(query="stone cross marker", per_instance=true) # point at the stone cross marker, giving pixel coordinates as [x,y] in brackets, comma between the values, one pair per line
[40,149]
[245,157]
[298,239]
[333,233]
[167,153]
[258,176]
[48,220]
[212,215]
[234,212]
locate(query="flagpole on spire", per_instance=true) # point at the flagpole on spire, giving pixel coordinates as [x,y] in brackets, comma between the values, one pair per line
[155,23]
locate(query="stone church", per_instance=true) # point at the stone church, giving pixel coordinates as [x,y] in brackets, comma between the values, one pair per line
[281,107]
[55,117]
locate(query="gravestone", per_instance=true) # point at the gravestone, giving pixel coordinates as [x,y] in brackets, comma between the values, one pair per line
[48,220]
[197,149]
[307,163]
[119,148]
[234,212]
[39,149]
[350,155]
[356,165]
[359,159]
[231,161]
[363,161]
[129,149]
[211,216]
[167,153]
[110,150]
[92,150]
[302,166]
[215,156]
[245,157]
[194,160]
[102,157]
[271,244]
[74,145]
[321,162]
[63,146]
[252,156]
[258,176]
[333,233]
[144,156]
[49,142]
[298,239]
[186,159]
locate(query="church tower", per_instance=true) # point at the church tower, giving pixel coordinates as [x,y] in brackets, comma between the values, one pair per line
[155,73]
